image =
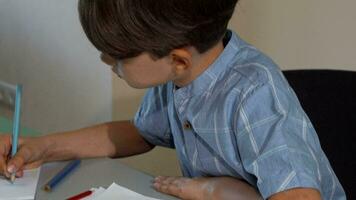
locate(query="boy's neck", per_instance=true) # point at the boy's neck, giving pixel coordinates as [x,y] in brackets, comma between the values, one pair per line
[201,62]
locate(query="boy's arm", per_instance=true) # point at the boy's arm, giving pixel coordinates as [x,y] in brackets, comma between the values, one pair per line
[297,194]
[113,139]
[224,188]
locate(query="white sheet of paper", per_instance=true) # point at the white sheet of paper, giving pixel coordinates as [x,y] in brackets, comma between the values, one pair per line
[116,192]
[22,189]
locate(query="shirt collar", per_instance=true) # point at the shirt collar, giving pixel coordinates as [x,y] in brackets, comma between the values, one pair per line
[207,79]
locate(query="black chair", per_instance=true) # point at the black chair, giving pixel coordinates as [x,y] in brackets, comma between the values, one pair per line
[329,99]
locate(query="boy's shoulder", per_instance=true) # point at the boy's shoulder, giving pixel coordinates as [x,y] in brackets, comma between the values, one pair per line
[240,67]
[249,67]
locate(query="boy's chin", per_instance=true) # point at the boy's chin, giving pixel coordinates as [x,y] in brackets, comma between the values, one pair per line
[139,85]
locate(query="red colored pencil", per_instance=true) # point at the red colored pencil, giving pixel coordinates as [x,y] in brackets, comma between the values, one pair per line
[81,195]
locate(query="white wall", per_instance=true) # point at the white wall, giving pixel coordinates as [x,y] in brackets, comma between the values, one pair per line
[296,34]
[43,47]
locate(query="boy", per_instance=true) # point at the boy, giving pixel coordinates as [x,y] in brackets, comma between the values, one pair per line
[238,128]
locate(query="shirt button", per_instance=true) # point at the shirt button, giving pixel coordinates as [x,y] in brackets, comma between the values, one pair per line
[187,125]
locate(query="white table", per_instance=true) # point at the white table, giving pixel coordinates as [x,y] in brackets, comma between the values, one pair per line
[95,173]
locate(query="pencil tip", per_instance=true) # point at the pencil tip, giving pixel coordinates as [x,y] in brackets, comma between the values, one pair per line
[12,178]
[47,188]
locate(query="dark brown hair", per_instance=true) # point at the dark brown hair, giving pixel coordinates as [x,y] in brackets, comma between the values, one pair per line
[127,28]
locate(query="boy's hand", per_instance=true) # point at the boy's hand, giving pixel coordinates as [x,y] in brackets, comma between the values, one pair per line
[29,155]
[181,187]
[206,188]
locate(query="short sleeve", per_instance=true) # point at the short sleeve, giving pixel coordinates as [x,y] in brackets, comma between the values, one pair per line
[269,134]
[152,118]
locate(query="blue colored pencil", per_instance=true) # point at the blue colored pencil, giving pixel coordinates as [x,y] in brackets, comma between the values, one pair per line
[61,175]
[16,125]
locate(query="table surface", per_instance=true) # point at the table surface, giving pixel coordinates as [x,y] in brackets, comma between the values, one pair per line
[95,173]
[99,172]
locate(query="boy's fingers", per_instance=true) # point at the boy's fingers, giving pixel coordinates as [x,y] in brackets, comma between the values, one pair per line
[169,185]
[33,165]
[5,144]
[19,173]
[3,165]
[170,189]
[19,160]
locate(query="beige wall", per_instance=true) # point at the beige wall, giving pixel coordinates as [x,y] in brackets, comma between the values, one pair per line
[296,34]
[303,33]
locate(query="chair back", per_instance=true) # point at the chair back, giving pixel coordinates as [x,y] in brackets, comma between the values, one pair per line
[329,99]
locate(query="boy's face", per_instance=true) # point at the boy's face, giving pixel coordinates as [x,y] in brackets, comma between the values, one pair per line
[141,71]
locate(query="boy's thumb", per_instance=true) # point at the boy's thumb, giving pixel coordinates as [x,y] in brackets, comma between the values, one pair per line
[11,168]
[18,161]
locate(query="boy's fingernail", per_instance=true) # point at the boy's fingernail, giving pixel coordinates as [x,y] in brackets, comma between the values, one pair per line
[159,177]
[11,169]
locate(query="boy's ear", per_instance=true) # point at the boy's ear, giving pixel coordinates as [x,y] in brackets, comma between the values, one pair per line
[181,60]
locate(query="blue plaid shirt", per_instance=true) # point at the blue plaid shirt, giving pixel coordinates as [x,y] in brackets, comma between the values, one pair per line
[239,118]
